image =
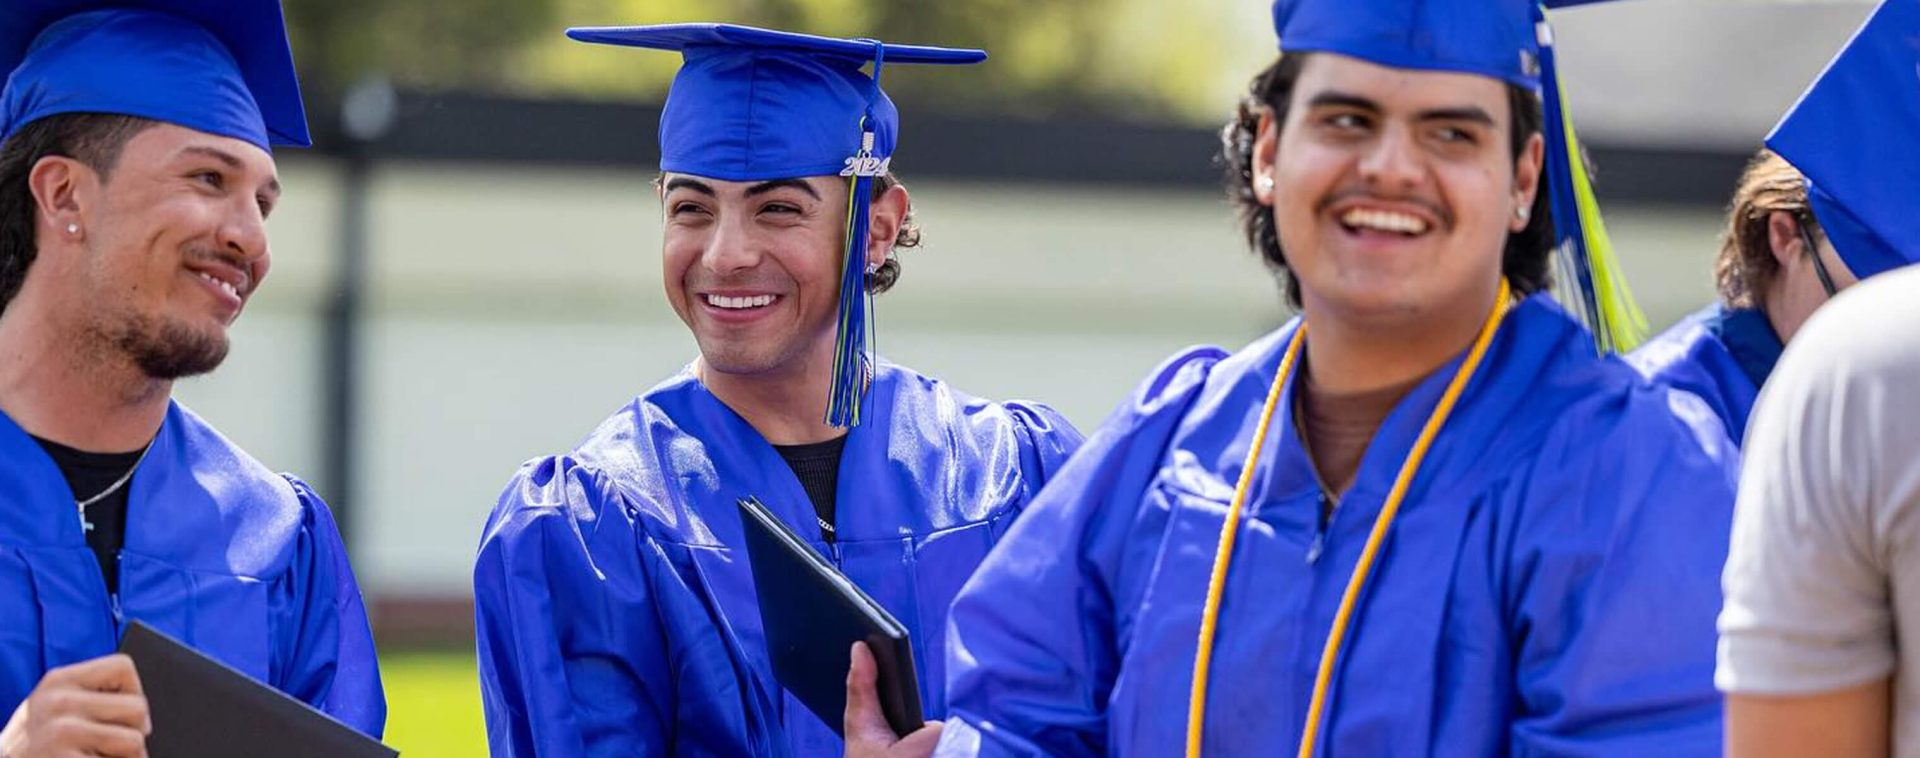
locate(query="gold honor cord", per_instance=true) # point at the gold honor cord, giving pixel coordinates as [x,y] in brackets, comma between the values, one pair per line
[1216,582]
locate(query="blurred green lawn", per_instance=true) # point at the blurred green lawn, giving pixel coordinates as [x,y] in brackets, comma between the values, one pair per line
[433,703]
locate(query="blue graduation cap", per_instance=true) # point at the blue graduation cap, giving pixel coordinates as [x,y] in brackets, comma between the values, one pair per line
[1508,40]
[218,66]
[1853,136]
[756,104]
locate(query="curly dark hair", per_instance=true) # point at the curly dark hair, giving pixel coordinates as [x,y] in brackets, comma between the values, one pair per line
[1528,253]
[94,139]
[908,237]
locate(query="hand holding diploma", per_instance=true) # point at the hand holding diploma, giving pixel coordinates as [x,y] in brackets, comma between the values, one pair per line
[868,735]
[94,707]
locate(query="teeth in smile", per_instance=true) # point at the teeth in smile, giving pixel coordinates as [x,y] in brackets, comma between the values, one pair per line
[1386,221]
[222,285]
[722,301]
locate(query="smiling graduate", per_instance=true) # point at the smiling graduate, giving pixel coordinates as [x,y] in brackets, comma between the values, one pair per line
[1428,516]
[136,177]
[617,613]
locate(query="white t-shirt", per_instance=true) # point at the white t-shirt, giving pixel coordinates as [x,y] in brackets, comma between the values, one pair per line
[1823,578]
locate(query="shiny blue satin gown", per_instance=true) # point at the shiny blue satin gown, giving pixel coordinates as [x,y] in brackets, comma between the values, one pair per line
[1721,355]
[221,553]
[615,605]
[1548,588]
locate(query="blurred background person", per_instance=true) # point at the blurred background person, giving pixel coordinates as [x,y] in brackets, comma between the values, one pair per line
[1817,649]
[1776,266]
[1817,638]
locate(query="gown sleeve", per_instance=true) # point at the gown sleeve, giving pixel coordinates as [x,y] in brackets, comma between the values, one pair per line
[332,664]
[1614,582]
[1031,654]
[571,652]
[1049,439]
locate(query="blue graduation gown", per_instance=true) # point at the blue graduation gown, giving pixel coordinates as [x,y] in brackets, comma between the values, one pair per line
[1549,586]
[616,610]
[1722,355]
[239,562]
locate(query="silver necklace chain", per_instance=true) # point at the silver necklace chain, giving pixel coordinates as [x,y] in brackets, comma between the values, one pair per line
[81,505]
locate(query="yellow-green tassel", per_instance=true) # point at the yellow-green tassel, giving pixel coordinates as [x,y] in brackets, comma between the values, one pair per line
[1622,324]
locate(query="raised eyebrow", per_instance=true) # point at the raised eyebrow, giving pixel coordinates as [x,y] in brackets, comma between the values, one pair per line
[681,182]
[769,186]
[1472,113]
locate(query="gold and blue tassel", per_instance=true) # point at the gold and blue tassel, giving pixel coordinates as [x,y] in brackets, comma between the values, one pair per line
[852,340]
[1582,247]
[852,362]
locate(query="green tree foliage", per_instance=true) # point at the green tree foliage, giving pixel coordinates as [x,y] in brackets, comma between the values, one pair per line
[1141,58]
[463,44]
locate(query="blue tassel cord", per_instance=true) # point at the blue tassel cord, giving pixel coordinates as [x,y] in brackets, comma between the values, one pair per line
[852,369]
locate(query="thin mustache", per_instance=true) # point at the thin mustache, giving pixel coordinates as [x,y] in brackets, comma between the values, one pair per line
[1446,219]
[202,255]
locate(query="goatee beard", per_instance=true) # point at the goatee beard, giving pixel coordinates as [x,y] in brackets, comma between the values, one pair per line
[168,350]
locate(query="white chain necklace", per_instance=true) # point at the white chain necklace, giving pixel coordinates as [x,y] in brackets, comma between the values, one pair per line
[81,505]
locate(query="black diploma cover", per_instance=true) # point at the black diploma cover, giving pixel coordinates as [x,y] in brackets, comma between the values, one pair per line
[200,707]
[812,614]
